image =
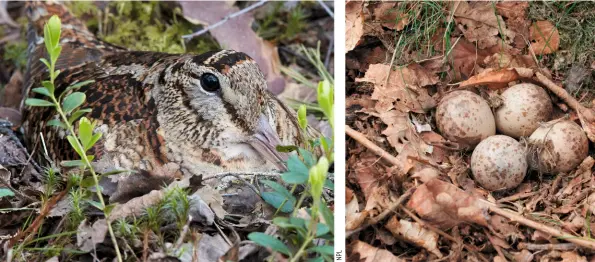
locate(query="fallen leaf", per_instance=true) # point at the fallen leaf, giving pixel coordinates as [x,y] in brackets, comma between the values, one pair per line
[390,15]
[495,79]
[363,252]
[402,89]
[465,59]
[572,256]
[354,24]
[414,233]
[87,236]
[480,24]
[11,94]
[237,34]
[445,205]
[503,60]
[544,37]
[517,21]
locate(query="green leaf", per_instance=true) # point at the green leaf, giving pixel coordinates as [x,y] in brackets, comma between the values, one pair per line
[285,149]
[41,90]
[72,141]
[77,85]
[93,140]
[54,27]
[316,259]
[302,120]
[45,62]
[56,122]
[278,188]
[294,164]
[270,242]
[48,84]
[4,192]
[329,217]
[294,178]
[85,131]
[38,102]
[77,114]
[55,54]
[324,250]
[275,199]
[308,157]
[73,163]
[95,204]
[321,229]
[285,223]
[325,99]
[73,101]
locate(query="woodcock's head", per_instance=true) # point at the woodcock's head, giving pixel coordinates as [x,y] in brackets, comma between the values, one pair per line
[220,100]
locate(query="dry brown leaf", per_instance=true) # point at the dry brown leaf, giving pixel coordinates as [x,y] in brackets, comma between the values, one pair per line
[445,205]
[572,256]
[480,24]
[544,37]
[354,24]
[517,21]
[87,236]
[414,233]
[504,60]
[523,256]
[390,16]
[465,58]
[11,94]
[588,127]
[403,90]
[363,252]
[494,79]
[353,218]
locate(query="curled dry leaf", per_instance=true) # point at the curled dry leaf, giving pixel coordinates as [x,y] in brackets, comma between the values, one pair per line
[445,205]
[414,233]
[363,252]
[494,79]
[353,218]
[354,24]
[465,58]
[544,37]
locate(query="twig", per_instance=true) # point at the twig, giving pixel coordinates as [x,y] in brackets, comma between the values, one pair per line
[27,233]
[472,249]
[498,249]
[327,9]
[588,113]
[391,209]
[360,138]
[541,227]
[539,247]
[225,19]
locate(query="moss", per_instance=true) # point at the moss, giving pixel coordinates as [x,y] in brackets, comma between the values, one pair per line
[280,25]
[144,26]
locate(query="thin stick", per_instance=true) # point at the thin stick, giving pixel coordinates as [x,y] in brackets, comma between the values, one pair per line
[539,247]
[225,19]
[561,93]
[390,210]
[541,227]
[360,138]
[472,249]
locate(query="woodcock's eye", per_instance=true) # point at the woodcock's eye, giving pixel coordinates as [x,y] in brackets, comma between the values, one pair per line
[209,82]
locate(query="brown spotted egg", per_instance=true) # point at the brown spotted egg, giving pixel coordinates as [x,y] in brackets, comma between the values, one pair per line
[524,107]
[465,118]
[499,162]
[558,146]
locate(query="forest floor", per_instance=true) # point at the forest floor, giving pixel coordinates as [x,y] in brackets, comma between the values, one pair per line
[411,193]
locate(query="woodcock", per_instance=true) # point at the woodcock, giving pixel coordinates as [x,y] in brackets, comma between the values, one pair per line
[193,114]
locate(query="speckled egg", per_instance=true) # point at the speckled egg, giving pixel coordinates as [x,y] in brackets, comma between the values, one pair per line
[558,146]
[465,118]
[524,107]
[499,162]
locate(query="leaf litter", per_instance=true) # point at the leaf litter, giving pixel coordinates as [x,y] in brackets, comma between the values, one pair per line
[404,177]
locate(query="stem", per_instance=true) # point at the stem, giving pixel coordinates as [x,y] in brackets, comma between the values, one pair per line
[302,248]
[95,179]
